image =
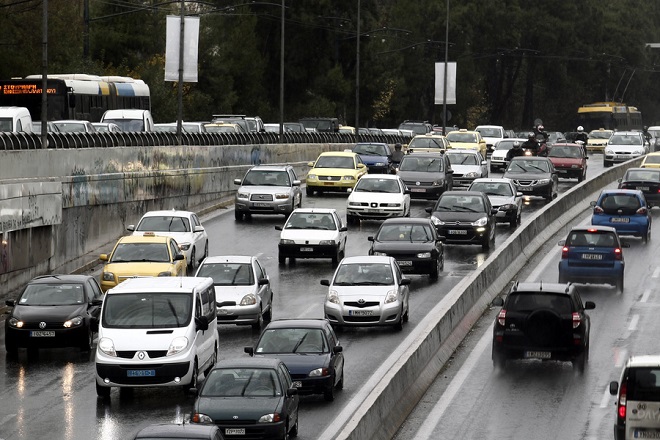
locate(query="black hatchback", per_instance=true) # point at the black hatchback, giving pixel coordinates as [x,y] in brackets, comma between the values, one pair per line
[54,311]
[646,180]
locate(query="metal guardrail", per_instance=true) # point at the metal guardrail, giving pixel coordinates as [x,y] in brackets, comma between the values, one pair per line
[24,141]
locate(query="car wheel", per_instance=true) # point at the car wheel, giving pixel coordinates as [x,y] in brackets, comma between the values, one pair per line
[259,323]
[408,212]
[340,382]
[193,379]
[214,359]
[499,360]
[580,362]
[647,237]
[492,169]
[86,345]
[103,391]
[582,176]
[513,220]
[488,242]
[607,164]
[206,251]
[192,264]
[12,349]
[294,431]
[406,315]
[562,279]
[435,272]
[399,325]
[309,191]
[329,393]
[286,432]
[268,316]
[352,220]
[238,216]
[281,259]
[619,284]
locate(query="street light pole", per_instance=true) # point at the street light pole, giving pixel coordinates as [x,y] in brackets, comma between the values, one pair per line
[357,77]
[282,76]
[179,118]
[444,92]
[44,75]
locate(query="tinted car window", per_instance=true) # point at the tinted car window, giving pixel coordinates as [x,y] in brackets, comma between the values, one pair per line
[591,239]
[529,301]
[164,224]
[644,384]
[620,203]
[228,274]
[407,233]
[423,164]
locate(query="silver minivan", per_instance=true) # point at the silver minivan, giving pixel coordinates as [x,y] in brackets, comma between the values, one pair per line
[638,399]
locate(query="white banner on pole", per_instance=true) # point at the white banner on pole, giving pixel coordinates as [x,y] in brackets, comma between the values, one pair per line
[190,48]
[440,83]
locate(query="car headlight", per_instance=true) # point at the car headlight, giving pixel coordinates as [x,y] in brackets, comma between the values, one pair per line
[319,372]
[543,181]
[106,346]
[178,345]
[201,418]
[507,207]
[424,255]
[638,152]
[393,205]
[282,196]
[354,204]
[312,177]
[391,297]
[436,221]
[471,174]
[575,166]
[380,164]
[108,276]
[13,322]
[167,273]
[270,418]
[243,195]
[383,254]
[184,246]
[483,221]
[348,178]
[332,297]
[73,322]
[609,151]
[438,183]
[285,241]
[249,300]
[327,242]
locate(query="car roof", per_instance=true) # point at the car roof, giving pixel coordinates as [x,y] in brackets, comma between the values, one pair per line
[493,180]
[173,212]
[228,259]
[338,153]
[144,239]
[463,193]
[298,323]
[407,221]
[381,176]
[462,151]
[248,362]
[629,132]
[372,143]
[315,210]
[366,259]
[536,158]
[644,361]
[566,144]
[593,227]
[428,135]
[270,167]
[159,284]
[175,431]
[60,278]
[621,191]
[541,287]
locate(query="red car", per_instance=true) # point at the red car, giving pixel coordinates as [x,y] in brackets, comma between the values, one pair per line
[569,161]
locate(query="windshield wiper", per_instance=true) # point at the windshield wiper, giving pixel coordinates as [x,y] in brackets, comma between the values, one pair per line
[299,343]
[171,306]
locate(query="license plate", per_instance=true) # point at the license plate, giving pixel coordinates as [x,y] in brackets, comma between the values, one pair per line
[525,188]
[643,188]
[234,431]
[42,334]
[297,384]
[646,433]
[306,249]
[328,183]
[538,354]
[418,190]
[457,232]
[404,263]
[360,312]
[261,205]
[592,256]
[373,210]
[140,373]
[620,220]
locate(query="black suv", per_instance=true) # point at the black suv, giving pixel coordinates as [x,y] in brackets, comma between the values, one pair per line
[542,321]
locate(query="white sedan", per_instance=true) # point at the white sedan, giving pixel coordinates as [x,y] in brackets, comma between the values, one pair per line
[378,197]
[183,226]
[503,196]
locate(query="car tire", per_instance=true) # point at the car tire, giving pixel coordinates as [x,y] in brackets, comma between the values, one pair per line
[399,325]
[340,382]
[12,348]
[268,316]
[206,251]
[259,323]
[582,176]
[103,392]
[193,380]
[294,431]
[607,164]
[238,216]
[329,393]
[435,272]
[309,191]
[406,316]
[281,259]
[499,360]
[214,359]
[619,284]
[562,279]
[352,220]
[647,236]
[192,264]
[86,345]
[580,362]
[488,242]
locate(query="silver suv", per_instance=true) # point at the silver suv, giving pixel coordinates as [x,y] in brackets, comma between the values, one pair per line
[267,189]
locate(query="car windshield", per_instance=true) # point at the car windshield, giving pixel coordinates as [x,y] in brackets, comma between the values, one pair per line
[147,310]
[493,188]
[528,166]
[416,128]
[527,302]
[52,294]
[593,238]
[6,124]
[345,162]
[241,382]
[266,178]
[364,274]
[600,135]
[227,274]
[145,252]
[505,145]
[460,203]
[427,142]
[490,132]
[461,137]
[128,124]
[625,139]
[644,175]
[165,223]
[371,149]
[462,159]
[311,220]
[292,340]
[562,151]
[70,127]
[652,159]
[421,164]
[222,128]
[643,384]
[378,185]
[621,204]
[408,233]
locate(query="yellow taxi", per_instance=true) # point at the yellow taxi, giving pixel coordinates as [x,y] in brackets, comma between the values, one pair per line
[597,140]
[467,139]
[428,143]
[652,160]
[149,255]
[335,171]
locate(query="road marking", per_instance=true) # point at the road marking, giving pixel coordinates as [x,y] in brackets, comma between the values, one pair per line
[307,311]
[426,430]
[656,273]
[645,296]
[633,323]
[620,357]
[605,401]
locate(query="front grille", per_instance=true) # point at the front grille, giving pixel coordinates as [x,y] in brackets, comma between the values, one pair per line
[130,354]
[329,178]
[361,305]
[525,182]
[361,319]
[49,325]
[261,197]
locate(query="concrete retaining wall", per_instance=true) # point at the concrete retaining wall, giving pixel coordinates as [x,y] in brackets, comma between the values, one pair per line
[402,382]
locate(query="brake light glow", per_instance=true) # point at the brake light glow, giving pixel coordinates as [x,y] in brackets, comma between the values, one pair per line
[618,255]
[564,252]
[621,409]
[598,210]
[576,320]
[592,230]
[501,317]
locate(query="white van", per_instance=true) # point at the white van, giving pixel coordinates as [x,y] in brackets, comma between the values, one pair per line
[638,399]
[130,120]
[15,120]
[159,331]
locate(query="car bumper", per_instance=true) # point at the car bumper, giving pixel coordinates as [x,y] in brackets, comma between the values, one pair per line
[387,314]
[569,173]
[505,215]
[339,185]
[164,374]
[634,227]
[497,163]
[463,182]
[307,250]
[253,431]
[380,213]
[563,354]
[313,385]
[27,338]
[281,206]
[425,192]
[238,314]
[463,234]
[617,158]
[544,190]
[586,274]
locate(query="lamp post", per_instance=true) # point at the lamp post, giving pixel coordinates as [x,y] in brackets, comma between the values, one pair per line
[357,76]
[282,75]
[444,86]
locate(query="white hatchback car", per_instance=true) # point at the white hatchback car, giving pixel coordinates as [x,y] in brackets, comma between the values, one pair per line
[467,165]
[623,146]
[183,226]
[378,196]
[367,291]
[312,233]
[503,196]
[243,293]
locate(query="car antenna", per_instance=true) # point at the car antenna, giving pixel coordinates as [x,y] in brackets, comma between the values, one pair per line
[541,285]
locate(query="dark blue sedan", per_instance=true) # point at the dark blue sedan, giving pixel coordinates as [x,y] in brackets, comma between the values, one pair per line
[592,254]
[310,350]
[375,155]
[626,210]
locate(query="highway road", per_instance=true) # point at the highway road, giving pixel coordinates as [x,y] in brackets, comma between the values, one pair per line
[52,394]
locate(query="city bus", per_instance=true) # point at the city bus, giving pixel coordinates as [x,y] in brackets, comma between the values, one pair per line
[610,116]
[75,96]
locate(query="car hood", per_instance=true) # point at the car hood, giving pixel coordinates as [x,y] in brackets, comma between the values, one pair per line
[48,313]
[131,268]
[627,148]
[491,140]
[501,200]
[232,293]
[179,237]
[135,339]
[269,189]
[464,169]
[370,160]
[403,246]
[368,293]
[527,176]
[311,236]
[421,176]
[459,216]
[499,154]
[244,408]
[301,363]
[359,196]
[565,161]
[333,171]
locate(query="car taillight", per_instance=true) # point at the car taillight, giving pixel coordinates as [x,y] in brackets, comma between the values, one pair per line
[618,255]
[501,317]
[621,409]
[564,252]
[576,320]
[641,210]
[598,210]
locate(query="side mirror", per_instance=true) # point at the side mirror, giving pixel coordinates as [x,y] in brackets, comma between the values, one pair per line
[484,162]
[592,203]
[619,180]
[343,229]
[497,302]
[297,183]
[406,191]
[10,302]
[96,302]
[263,281]
[130,228]
[405,281]
[179,257]
[325,283]
[493,211]
[337,349]
[198,228]
[519,194]
[614,388]
[237,181]
[349,190]
[292,392]
[278,228]
[103,257]
[442,238]
[202,323]
[589,305]
[249,350]
[429,209]
[310,164]
[370,238]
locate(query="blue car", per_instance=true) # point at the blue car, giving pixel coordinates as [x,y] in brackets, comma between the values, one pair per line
[592,254]
[375,155]
[626,210]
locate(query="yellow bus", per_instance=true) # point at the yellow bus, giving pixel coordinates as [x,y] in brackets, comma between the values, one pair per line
[610,116]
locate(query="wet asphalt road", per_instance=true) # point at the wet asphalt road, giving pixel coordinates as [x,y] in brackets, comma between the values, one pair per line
[51,394]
